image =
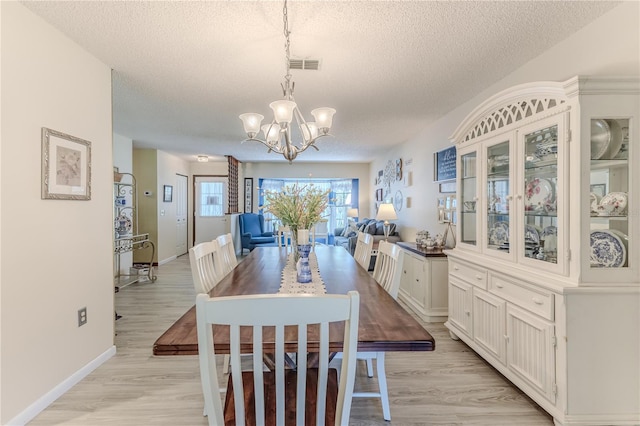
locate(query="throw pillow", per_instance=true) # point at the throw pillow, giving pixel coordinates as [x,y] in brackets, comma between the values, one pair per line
[370,228]
[380,228]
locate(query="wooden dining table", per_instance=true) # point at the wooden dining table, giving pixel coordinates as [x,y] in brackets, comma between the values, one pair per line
[384,325]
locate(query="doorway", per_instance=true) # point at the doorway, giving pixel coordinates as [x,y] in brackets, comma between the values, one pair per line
[210,208]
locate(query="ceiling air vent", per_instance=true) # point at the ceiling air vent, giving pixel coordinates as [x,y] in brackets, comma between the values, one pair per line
[304,64]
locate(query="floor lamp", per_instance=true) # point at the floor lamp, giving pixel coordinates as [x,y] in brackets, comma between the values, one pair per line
[386,212]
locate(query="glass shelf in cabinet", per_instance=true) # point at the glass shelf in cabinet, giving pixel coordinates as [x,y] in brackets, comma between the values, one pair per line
[608,164]
[541,169]
[612,217]
[541,213]
[498,176]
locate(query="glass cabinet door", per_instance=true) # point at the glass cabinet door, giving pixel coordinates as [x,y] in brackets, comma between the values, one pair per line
[468,198]
[497,193]
[540,240]
[609,187]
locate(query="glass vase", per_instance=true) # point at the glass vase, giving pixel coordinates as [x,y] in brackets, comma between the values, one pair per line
[302,265]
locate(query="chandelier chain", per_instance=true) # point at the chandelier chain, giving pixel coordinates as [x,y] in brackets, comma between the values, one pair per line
[287,42]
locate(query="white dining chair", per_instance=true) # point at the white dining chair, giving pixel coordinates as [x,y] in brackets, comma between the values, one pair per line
[364,246]
[387,273]
[227,253]
[207,269]
[206,266]
[278,394]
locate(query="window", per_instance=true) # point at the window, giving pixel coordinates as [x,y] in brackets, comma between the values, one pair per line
[343,195]
[212,200]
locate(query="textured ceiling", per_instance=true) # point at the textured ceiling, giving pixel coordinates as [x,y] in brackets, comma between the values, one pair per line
[184,71]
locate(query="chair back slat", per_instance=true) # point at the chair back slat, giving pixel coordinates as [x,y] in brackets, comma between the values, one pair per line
[227,253]
[388,269]
[206,266]
[364,245]
[280,401]
[236,374]
[323,368]
[278,311]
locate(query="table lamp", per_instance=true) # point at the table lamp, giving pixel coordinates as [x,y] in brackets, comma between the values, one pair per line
[352,213]
[386,212]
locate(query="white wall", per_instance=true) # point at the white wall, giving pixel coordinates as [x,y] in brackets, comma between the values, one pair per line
[56,254]
[168,166]
[608,46]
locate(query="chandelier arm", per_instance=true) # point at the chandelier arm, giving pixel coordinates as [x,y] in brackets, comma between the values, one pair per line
[265,143]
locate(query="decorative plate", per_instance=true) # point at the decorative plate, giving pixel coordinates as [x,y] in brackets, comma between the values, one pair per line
[614,203]
[499,234]
[397,201]
[538,194]
[531,234]
[607,250]
[615,141]
[600,138]
[123,225]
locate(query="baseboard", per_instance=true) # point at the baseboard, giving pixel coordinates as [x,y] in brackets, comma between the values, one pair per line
[47,399]
[167,260]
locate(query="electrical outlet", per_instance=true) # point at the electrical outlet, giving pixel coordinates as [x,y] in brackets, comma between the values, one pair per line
[82,316]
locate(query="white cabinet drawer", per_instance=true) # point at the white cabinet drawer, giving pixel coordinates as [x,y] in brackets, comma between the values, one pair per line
[471,274]
[535,300]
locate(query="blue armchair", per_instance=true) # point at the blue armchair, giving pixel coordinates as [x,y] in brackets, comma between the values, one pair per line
[252,231]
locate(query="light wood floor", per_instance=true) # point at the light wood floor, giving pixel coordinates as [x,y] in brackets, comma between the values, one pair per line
[450,386]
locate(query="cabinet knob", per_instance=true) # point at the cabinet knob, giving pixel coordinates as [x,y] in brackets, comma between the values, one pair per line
[509,197]
[519,196]
[478,277]
[499,285]
[455,268]
[467,312]
[506,338]
[537,301]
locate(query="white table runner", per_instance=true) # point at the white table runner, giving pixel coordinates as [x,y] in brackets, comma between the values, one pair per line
[290,282]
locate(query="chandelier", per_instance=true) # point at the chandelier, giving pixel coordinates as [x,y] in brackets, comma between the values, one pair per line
[277,135]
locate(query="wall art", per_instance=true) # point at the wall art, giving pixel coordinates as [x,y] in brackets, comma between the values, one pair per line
[66,166]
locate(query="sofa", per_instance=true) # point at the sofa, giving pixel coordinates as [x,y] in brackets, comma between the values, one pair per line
[348,237]
[252,232]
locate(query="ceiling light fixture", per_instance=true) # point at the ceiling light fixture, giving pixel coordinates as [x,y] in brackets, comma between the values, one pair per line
[277,135]
[203,158]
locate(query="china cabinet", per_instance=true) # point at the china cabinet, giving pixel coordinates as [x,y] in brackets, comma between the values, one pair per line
[126,235]
[423,283]
[544,282]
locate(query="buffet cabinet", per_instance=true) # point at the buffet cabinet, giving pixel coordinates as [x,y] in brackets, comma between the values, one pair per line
[423,284]
[544,282]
